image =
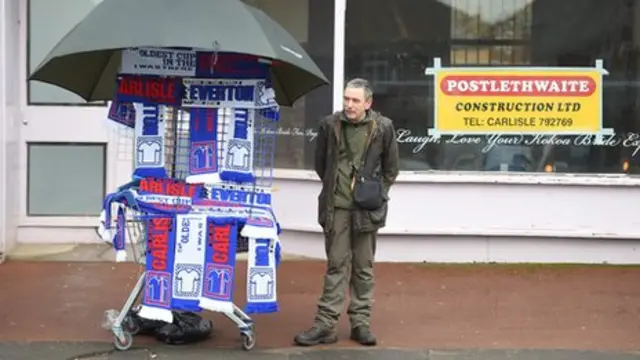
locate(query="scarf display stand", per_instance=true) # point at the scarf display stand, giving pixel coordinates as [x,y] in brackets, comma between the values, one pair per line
[203,150]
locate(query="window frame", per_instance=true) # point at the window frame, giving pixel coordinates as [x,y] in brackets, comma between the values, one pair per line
[105,161]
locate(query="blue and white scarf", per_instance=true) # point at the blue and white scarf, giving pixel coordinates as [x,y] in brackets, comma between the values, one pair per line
[120,238]
[220,262]
[262,262]
[158,283]
[245,97]
[149,141]
[203,146]
[188,266]
[122,113]
[238,147]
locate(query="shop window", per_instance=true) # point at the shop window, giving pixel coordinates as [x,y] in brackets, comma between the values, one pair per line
[47,22]
[310,22]
[65,179]
[392,42]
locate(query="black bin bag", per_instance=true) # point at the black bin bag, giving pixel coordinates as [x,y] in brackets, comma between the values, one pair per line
[187,328]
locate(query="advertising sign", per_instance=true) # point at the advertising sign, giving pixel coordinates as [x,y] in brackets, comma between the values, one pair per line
[517,100]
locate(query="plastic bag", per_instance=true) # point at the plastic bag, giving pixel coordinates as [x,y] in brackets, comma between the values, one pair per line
[187,327]
[145,326]
[109,318]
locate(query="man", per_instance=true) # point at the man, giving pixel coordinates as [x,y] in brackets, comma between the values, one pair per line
[352,139]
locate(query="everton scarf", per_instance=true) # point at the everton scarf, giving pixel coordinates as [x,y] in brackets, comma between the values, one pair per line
[260,223]
[149,141]
[220,261]
[158,282]
[203,150]
[264,256]
[238,148]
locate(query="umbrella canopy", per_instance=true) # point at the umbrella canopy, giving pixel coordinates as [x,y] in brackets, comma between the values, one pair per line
[87,60]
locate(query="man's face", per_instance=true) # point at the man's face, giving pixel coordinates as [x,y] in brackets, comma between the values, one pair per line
[355,104]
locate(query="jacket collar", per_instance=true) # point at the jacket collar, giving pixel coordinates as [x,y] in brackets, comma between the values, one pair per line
[339,118]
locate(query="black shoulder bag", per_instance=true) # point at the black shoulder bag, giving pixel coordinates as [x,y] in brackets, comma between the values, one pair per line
[366,188]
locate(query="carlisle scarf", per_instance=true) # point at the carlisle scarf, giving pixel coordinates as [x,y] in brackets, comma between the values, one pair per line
[158,282]
[220,262]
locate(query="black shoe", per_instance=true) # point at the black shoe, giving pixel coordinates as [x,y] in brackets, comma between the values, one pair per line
[363,336]
[315,336]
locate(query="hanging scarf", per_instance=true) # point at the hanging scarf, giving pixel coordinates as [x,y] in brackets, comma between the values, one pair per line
[158,283]
[203,148]
[149,141]
[188,269]
[262,262]
[245,97]
[238,151]
[220,261]
[122,113]
[119,238]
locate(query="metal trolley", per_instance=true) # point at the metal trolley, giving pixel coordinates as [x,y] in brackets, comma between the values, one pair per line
[125,327]
[176,163]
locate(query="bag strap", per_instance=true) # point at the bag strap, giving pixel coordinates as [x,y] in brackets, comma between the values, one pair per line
[355,169]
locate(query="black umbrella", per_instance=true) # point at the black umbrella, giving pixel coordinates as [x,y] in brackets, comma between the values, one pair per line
[87,60]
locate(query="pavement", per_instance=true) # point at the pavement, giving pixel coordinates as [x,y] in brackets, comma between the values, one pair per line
[97,351]
[53,310]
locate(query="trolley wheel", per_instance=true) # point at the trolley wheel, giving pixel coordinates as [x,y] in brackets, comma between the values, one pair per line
[123,345]
[131,326]
[248,341]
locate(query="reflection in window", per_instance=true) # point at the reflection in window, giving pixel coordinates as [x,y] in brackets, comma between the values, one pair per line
[490,32]
[406,35]
[310,22]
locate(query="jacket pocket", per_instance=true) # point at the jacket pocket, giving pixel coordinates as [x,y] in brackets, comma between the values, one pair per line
[378,217]
[322,210]
[368,221]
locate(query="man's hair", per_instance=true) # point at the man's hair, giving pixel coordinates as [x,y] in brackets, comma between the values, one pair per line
[359,83]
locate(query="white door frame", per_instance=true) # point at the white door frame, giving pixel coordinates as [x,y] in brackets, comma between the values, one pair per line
[3,136]
[338,52]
